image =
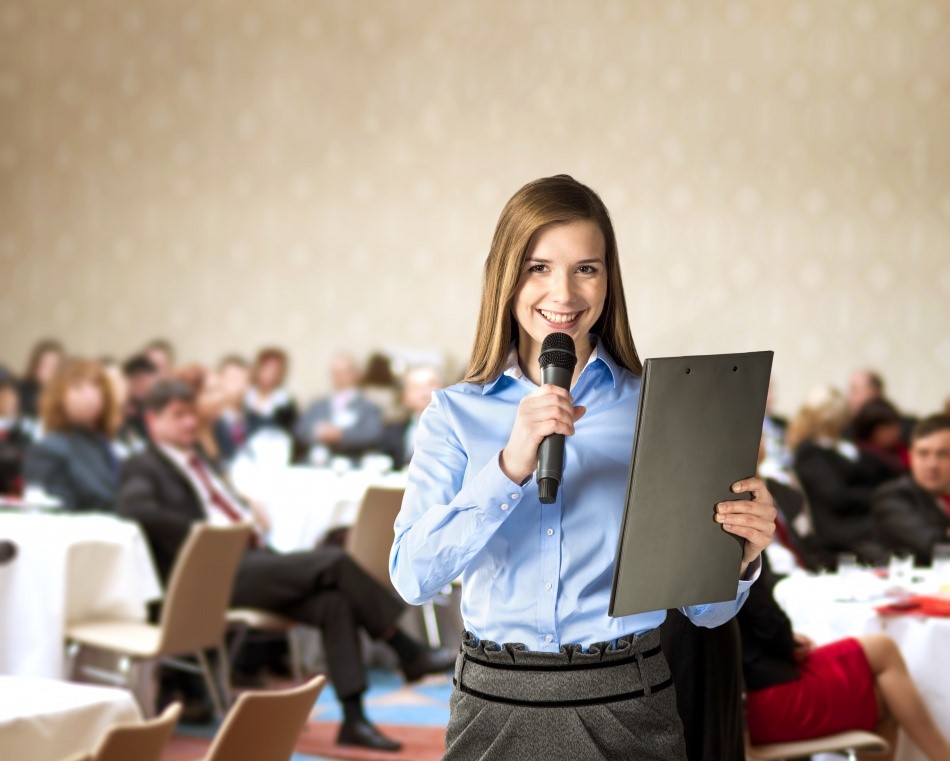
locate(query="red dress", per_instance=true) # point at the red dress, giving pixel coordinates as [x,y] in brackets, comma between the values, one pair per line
[834,693]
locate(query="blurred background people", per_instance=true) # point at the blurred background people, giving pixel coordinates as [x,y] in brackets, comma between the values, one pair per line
[912,514]
[75,461]
[140,375]
[877,431]
[419,384]
[161,354]
[864,386]
[381,387]
[14,436]
[836,476]
[234,373]
[345,423]
[45,358]
[268,403]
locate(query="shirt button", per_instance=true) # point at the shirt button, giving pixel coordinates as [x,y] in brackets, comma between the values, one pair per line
[550,532]
[504,505]
[514,495]
[548,585]
[548,638]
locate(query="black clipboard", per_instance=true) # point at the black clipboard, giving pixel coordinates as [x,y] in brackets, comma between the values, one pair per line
[699,423]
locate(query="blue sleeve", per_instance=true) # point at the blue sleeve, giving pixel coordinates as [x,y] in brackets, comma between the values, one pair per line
[444,522]
[716,614]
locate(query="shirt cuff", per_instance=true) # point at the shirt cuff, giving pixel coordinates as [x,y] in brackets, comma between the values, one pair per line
[491,492]
[751,575]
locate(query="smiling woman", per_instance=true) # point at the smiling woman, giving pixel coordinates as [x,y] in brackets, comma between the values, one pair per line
[545,672]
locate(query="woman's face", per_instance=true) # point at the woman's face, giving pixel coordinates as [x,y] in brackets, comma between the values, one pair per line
[211,400]
[268,376]
[84,403]
[563,286]
[47,366]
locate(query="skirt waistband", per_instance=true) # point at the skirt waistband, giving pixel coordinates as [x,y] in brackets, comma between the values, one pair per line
[631,668]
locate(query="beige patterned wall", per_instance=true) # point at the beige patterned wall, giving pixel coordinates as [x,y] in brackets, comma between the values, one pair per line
[327,174]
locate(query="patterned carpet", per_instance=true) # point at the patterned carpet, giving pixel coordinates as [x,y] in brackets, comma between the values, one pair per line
[416,715]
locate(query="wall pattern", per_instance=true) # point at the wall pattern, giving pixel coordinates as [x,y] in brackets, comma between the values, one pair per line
[326,174]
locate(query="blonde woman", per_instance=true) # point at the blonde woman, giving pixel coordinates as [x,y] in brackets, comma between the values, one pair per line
[544,672]
[75,461]
[837,477]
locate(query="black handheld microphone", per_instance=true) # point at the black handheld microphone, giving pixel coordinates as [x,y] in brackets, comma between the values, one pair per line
[557,362]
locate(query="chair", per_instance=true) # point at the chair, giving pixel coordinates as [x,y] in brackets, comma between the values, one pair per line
[192,619]
[370,540]
[248,619]
[264,726]
[849,744]
[142,742]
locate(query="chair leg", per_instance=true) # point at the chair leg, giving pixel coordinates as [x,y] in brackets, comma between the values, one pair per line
[72,657]
[296,658]
[224,671]
[141,679]
[211,684]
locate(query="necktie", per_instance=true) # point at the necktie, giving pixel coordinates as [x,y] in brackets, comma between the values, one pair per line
[785,538]
[217,498]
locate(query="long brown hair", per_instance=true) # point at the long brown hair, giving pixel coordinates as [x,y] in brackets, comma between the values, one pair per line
[41,347]
[53,399]
[550,200]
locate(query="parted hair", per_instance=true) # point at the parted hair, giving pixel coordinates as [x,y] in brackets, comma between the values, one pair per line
[930,425]
[53,399]
[548,201]
[167,391]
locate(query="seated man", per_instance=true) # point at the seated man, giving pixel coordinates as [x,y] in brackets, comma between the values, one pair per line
[170,485]
[912,513]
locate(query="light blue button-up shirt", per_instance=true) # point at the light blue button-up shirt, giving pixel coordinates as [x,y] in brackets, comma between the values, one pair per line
[531,573]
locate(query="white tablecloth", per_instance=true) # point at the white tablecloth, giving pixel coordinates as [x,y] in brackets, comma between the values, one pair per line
[49,720]
[70,567]
[829,607]
[304,502]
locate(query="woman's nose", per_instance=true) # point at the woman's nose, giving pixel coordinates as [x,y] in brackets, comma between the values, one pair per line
[561,287]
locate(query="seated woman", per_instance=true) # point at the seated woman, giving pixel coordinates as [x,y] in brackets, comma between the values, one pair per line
[878,434]
[268,403]
[75,460]
[836,476]
[797,691]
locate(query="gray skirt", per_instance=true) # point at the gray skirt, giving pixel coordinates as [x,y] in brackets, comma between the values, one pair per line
[611,702]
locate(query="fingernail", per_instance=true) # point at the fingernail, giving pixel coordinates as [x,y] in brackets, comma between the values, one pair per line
[735,487]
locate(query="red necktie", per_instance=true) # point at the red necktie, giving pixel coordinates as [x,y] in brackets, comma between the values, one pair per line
[785,538]
[220,501]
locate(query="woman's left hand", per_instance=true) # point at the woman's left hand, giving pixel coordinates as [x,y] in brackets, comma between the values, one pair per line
[752,519]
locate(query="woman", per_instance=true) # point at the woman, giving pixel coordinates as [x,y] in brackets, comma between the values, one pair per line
[213,439]
[75,460]
[837,477]
[268,402]
[797,691]
[877,428]
[536,579]
[45,358]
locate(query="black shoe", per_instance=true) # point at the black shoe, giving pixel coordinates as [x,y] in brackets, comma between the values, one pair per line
[195,711]
[365,735]
[429,661]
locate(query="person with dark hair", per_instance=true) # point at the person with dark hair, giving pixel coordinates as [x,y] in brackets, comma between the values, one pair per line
[268,403]
[344,423]
[14,436]
[545,672]
[797,691]
[140,375]
[75,461]
[380,386]
[912,513]
[161,354]
[170,486]
[45,358]
[235,374]
[877,431]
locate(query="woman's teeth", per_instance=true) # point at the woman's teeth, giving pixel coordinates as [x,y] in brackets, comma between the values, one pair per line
[559,318]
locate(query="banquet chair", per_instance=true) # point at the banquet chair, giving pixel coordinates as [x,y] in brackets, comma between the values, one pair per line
[246,620]
[142,742]
[847,744]
[265,726]
[370,540]
[192,618]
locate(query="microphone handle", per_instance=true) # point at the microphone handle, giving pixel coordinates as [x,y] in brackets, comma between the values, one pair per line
[551,451]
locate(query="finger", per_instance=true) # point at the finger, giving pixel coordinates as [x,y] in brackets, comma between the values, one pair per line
[549,389]
[755,540]
[749,506]
[755,485]
[579,413]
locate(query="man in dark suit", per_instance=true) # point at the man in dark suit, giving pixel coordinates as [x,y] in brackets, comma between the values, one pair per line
[345,423]
[170,485]
[912,513]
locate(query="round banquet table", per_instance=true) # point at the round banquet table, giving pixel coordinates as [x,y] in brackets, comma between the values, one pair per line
[49,720]
[304,502]
[69,567]
[828,607]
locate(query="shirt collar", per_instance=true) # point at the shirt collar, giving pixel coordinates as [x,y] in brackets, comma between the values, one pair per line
[512,368]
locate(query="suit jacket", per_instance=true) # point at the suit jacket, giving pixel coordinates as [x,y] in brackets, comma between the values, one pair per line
[13,444]
[78,467]
[366,432]
[909,519]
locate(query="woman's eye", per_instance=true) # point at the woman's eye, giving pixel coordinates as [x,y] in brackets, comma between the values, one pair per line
[536,268]
[587,269]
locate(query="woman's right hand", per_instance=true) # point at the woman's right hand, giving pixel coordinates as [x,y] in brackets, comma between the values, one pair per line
[546,410]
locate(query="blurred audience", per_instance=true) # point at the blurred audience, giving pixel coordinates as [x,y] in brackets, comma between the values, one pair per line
[864,386]
[381,387]
[345,423]
[212,438]
[75,461]
[268,404]
[235,375]
[140,375]
[912,513]
[797,691]
[14,436]
[876,429]
[45,358]
[418,387]
[777,460]
[161,354]
[836,476]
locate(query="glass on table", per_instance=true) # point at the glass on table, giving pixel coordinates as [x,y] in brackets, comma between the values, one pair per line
[848,565]
[941,561]
[900,568]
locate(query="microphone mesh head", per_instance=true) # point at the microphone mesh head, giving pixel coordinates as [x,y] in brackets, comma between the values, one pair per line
[558,350]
